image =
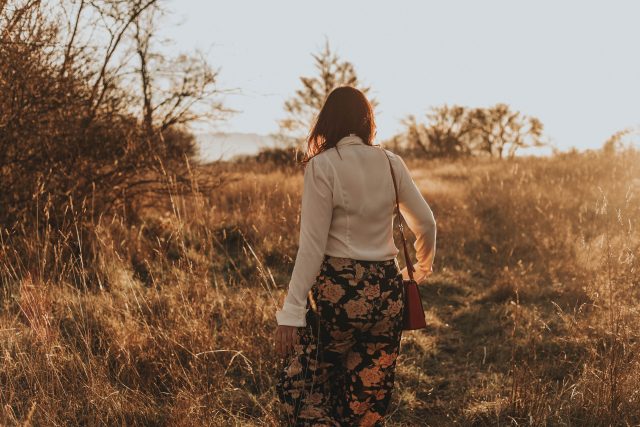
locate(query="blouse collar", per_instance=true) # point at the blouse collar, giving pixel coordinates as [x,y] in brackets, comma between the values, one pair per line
[351,139]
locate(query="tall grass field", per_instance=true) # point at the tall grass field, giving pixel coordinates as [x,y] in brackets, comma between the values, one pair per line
[533,309]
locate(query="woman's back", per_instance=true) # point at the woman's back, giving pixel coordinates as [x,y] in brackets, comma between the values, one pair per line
[363,201]
[348,201]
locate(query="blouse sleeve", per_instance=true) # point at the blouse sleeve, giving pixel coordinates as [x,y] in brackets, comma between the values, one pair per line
[315,221]
[420,219]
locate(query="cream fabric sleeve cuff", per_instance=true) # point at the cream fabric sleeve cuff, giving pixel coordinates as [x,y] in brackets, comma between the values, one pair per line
[291,315]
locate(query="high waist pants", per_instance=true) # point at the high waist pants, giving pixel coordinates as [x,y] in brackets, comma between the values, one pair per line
[342,371]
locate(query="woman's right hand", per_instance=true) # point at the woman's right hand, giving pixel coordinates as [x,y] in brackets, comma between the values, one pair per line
[286,338]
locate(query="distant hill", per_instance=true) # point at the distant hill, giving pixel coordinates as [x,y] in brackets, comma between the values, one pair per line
[225,146]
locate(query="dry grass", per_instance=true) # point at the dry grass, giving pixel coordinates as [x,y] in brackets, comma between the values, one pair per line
[533,309]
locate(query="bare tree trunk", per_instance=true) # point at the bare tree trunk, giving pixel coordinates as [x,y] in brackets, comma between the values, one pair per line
[142,49]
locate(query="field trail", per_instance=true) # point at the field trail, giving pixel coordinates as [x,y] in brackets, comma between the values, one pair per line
[456,352]
[456,369]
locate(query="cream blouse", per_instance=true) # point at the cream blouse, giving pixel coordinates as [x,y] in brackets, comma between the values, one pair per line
[348,206]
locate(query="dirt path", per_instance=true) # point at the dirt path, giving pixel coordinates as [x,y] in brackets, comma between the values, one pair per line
[456,355]
[456,371]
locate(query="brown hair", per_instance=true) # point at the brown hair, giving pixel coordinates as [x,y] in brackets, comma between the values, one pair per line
[346,110]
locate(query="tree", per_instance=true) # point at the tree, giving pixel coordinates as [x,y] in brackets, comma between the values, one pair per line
[460,131]
[173,91]
[303,107]
[498,128]
[446,133]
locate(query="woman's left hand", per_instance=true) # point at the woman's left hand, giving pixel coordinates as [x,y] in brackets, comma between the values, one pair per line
[286,337]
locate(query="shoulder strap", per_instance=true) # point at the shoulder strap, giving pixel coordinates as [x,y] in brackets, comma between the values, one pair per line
[410,268]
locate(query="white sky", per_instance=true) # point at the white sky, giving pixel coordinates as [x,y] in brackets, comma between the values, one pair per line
[573,64]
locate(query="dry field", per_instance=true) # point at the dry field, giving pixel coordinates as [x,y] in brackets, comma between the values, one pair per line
[533,309]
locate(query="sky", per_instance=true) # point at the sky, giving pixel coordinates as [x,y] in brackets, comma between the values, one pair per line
[573,64]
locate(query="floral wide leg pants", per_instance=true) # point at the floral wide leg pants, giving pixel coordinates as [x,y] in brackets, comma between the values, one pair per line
[342,370]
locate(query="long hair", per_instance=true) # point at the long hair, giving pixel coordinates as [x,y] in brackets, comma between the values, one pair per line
[346,110]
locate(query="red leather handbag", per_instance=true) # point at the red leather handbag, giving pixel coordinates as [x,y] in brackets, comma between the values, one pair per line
[413,313]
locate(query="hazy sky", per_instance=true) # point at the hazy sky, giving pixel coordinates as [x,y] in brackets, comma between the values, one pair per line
[573,64]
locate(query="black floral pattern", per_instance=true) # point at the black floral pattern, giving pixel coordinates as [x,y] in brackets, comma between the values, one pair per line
[342,371]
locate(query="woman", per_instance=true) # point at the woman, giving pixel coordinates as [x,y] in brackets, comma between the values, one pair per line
[340,326]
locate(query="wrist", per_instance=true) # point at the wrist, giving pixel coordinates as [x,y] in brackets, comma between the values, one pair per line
[418,273]
[291,315]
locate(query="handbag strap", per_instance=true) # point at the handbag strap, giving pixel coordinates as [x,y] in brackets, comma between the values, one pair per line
[410,268]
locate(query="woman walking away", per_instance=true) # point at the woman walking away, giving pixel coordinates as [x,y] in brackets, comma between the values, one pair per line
[340,326]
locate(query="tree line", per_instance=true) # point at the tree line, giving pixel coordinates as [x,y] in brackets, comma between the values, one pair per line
[455,131]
